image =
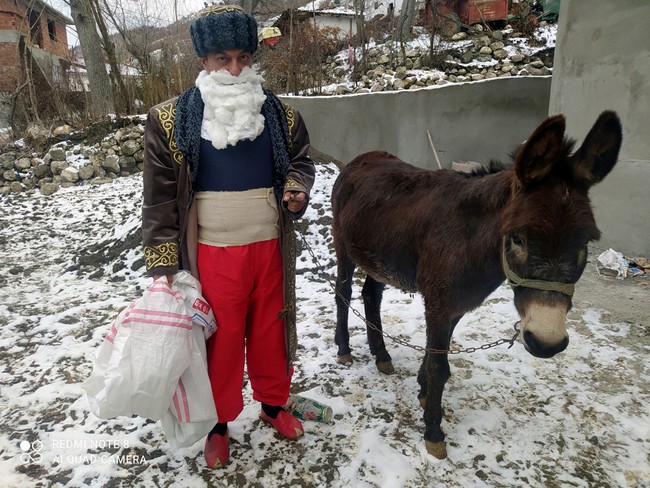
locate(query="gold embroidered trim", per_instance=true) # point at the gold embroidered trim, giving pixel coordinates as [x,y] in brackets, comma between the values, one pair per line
[161,255]
[291,121]
[292,184]
[166,116]
[220,9]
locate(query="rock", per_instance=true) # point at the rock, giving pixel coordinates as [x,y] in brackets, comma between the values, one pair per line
[15,187]
[119,135]
[111,164]
[101,180]
[36,133]
[23,164]
[42,170]
[58,166]
[517,58]
[467,57]
[49,188]
[29,182]
[70,175]
[8,161]
[401,73]
[86,172]
[10,175]
[57,153]
[63,130]
[129,148]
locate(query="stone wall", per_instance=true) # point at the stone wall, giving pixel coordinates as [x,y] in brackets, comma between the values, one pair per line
[69,163]
[471,55]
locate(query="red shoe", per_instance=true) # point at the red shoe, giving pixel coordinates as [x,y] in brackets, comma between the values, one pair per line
[286,424]
[217,452]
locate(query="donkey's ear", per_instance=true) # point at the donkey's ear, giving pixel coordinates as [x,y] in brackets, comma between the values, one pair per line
[536,157]
[599,151]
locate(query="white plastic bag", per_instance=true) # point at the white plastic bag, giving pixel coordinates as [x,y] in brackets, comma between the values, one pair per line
[198,308]
[613,263]
[137,367]
[192,413]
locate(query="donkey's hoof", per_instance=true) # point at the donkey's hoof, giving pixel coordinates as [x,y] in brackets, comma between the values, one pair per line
[385,367]
[437,449]
[344,359]
[423,401]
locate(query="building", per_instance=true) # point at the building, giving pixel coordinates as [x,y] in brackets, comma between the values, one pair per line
[34,41]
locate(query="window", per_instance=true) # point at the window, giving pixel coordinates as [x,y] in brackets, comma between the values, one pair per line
[51,29]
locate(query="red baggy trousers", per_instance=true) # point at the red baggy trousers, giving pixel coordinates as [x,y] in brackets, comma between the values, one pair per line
[244,287]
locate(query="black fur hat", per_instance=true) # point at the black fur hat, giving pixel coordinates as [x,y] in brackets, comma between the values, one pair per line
[223,27]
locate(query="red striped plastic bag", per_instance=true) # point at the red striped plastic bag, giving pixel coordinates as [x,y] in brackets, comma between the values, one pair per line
[137,367]
[192,413]
[197,306]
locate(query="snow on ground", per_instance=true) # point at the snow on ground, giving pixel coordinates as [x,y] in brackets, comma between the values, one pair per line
[71,261]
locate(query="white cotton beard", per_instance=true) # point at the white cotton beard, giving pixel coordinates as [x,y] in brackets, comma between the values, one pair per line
[233,106]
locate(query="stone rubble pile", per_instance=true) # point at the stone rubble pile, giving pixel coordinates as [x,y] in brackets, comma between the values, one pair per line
[67,164]
[477,55]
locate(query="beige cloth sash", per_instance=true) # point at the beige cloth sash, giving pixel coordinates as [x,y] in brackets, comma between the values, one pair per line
[237,218]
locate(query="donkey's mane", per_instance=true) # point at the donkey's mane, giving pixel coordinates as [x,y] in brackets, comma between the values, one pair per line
[493,166]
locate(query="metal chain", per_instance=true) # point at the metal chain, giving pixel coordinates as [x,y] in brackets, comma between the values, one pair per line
[403,342]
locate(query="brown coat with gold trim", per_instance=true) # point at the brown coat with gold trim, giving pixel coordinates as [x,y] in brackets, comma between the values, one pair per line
[169,220]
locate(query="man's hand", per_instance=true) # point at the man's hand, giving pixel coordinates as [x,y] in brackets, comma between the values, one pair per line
[296,200]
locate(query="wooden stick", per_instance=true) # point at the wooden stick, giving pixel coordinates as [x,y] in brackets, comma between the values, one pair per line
[434,150]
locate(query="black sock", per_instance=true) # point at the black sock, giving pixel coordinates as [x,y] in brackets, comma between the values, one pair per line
[219,429]
[270,410]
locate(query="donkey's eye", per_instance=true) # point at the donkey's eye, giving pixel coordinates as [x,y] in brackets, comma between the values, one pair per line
[582,256]
[516,241]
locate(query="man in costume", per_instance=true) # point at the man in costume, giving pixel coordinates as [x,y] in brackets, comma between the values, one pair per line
[226,172]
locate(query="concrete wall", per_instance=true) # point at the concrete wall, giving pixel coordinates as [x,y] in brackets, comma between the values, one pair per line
[602,61]
[468,122]
[347,24]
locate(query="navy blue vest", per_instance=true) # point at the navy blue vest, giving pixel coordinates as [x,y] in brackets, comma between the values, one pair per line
[244,166]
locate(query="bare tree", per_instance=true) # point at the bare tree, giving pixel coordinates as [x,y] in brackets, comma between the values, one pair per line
[407,18]
[108,45]
[101,92]
[359,17]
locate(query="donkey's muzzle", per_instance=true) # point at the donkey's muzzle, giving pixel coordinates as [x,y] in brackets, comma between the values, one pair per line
[540,349]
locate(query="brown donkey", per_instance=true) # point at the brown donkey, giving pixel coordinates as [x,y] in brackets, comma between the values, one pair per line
[454,237]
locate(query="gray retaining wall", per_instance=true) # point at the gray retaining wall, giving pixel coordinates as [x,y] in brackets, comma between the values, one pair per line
[468,122]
